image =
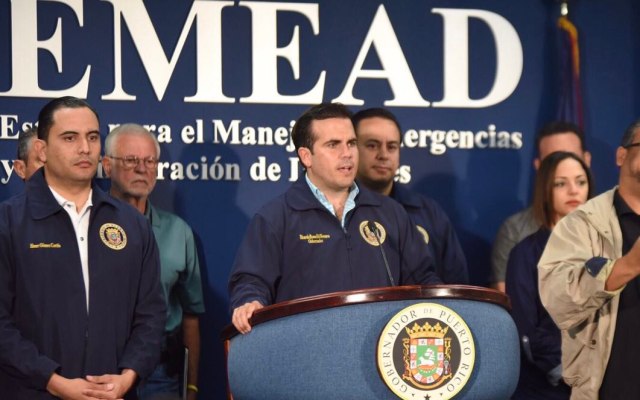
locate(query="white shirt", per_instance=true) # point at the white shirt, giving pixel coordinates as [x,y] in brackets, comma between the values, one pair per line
[80,221]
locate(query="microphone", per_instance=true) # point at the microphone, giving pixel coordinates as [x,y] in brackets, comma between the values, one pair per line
[374,229]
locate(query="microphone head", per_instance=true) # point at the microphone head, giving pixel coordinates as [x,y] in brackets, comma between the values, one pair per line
[372,227]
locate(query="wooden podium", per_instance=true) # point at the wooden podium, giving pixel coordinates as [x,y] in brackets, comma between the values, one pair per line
[333,346]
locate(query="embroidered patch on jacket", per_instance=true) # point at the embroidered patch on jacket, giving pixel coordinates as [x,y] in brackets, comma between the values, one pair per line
[426,351]
[369,236]
[315,238]
[424,233]
[113,236]
[45,245]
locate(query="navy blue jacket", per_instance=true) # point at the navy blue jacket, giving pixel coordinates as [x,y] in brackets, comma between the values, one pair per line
[533,321]
[294,247]
[44,325]
[426,213]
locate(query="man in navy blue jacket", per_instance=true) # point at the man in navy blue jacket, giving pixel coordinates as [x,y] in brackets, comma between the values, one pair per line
[324,234]
[81,308]
[379,138]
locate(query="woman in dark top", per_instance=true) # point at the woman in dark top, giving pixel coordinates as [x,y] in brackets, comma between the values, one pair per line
[563,183]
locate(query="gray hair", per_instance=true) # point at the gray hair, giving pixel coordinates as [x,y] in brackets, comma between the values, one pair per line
[128,129]
[25,140]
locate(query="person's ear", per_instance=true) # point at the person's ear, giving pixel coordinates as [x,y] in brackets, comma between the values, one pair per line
[37,149]
[40,148]
[536,163]
[20,168]
[106,166]
[621,155]
[305,157]
[586,156]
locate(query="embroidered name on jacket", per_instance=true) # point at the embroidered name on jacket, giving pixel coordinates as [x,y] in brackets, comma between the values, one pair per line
[45,245]
[315,238]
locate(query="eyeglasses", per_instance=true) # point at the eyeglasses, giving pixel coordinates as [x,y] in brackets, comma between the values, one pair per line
[130,162]
[631,145]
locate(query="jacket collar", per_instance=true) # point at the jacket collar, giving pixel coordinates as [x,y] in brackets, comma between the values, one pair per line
[600,209]
[404,196]
[42,204]
[300,198]
[152,215]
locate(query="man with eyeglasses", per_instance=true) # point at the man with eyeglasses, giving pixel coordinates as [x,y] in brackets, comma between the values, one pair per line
[81,307]
[589,281]
[131,161]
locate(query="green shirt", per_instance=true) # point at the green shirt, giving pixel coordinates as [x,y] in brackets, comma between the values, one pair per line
[180,271]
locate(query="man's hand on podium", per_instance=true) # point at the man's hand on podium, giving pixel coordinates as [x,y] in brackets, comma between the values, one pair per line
[241,315]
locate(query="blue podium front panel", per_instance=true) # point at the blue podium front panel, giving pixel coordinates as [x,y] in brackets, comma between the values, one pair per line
[331,353]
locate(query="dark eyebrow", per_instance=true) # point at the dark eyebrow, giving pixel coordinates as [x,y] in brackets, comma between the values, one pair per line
[77,133]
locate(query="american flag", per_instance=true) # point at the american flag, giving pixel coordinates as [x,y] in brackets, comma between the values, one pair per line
[570,102]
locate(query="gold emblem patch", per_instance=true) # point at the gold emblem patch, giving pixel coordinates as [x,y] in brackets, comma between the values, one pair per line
[369,236]
[113,236]
[424,233]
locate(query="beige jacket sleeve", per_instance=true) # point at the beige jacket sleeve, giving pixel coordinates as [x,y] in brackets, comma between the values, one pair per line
[568,291]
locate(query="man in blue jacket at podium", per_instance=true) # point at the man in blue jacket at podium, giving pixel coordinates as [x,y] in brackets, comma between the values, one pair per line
[326,233]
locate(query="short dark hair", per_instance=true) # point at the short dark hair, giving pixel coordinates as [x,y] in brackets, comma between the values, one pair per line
[373,113]
[543,193]
[629,133]
[25,139]
[45,118]
[301,133]
[557,127]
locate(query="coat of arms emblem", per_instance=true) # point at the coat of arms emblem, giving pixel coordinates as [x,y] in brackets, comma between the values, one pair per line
[426,351]
[427,361]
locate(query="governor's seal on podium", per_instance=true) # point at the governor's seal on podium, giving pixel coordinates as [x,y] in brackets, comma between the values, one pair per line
[426,351]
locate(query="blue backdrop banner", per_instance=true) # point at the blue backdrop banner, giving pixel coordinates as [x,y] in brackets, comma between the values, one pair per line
[221,82]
